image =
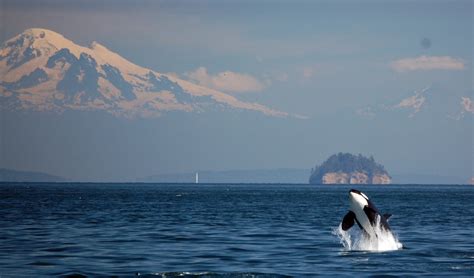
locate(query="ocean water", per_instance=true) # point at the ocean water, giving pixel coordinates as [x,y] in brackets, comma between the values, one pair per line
[188,230]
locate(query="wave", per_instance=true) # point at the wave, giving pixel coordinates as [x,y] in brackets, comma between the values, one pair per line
[357,240]
[214,275]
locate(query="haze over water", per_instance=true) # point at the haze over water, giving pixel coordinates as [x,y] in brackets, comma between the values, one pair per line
[115,91]
[125,229]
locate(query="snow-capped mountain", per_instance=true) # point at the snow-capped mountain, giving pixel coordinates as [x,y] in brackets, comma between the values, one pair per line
[434,101]
[42,70]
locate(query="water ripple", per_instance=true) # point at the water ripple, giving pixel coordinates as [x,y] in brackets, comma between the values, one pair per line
[80,230]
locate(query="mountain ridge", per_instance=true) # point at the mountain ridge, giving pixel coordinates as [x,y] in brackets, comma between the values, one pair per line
[281,175]
[44,71]
[9,175]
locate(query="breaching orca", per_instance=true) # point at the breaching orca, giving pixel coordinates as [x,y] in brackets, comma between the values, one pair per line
[364,212]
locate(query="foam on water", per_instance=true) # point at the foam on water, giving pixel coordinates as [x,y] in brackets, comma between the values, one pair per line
[356,240]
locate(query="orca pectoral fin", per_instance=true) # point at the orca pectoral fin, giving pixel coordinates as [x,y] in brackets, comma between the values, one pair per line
[387,216]
[348,221]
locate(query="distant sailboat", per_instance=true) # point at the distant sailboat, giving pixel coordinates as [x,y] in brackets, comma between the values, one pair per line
[197,177]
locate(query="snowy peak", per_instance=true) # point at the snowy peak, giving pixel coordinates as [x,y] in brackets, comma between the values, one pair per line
[46,40]
[39,41]
[43,42]
[431,101]
[42,70]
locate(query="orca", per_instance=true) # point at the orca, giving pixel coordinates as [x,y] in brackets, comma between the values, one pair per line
[365,214]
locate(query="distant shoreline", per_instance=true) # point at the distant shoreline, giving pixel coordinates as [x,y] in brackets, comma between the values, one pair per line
[256,176]
[243,183]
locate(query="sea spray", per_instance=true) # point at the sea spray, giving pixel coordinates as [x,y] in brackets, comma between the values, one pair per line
[357,240]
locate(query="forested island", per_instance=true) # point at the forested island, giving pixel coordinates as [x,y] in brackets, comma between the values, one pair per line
[346,168]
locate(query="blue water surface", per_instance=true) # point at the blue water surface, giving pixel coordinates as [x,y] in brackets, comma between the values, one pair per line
[226,230]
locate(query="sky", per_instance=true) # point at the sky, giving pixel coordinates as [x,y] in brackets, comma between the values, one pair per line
[354,71]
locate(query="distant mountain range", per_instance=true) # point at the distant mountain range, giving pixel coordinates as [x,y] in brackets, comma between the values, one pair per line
[290,176]
[41,70]
[431,100]
[235,176]
[427,179]
[7,175]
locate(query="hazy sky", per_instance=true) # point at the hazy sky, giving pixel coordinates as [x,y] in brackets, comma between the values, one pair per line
[352,68]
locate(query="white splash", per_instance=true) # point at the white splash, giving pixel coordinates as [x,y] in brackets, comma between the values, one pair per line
[356,240]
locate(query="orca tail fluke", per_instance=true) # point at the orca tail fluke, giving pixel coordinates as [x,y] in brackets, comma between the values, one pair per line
[348,221]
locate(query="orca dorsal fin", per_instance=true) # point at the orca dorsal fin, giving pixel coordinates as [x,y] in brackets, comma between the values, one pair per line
[387,216]
[348,221]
